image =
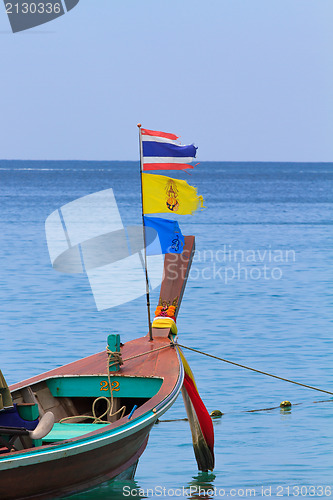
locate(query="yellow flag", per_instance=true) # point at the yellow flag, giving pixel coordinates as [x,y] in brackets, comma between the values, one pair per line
[163,194]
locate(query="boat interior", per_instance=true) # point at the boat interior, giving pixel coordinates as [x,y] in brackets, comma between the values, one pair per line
[79,405]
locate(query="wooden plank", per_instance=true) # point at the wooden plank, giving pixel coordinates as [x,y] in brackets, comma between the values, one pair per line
[176,271]
[5,397]
[29,397]
[93,386]
[160,332]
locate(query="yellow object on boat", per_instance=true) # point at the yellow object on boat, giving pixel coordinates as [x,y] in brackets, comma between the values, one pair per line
[163,322]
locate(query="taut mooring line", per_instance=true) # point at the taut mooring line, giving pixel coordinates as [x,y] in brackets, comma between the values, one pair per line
[253,369]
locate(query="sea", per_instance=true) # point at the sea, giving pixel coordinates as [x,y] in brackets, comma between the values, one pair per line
[259,294]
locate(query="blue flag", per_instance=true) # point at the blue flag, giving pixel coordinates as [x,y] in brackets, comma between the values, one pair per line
[170,238]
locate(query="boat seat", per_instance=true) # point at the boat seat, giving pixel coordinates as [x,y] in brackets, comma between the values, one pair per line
[61,432]
[9,433]
[25,416]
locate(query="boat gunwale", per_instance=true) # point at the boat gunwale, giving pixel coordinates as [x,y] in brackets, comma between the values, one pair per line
[107,432]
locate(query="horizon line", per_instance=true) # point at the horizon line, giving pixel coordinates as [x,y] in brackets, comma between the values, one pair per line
[202,161]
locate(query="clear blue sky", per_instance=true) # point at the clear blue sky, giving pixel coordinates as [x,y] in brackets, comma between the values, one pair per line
[243,79]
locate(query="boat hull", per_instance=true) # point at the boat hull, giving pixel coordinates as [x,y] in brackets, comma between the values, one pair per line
[72,474]
[61,468]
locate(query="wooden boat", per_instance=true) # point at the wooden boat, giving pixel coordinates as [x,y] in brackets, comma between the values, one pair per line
[88,422]
[82,452]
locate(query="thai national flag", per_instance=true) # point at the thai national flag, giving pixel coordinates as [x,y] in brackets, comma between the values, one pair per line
[161,152]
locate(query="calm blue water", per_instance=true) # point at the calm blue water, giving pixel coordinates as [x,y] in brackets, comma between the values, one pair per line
[259,294]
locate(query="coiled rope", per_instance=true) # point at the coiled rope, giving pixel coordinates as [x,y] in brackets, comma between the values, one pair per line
[113,358]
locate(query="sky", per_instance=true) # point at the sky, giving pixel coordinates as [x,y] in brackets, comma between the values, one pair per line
[245,80]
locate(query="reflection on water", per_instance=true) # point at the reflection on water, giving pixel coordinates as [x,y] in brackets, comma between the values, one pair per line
[115,490]
[201,486]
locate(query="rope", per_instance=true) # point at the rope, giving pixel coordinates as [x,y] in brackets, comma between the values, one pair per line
[253,369]
[148,352]
[113,359]
[113,356]
[116,358]
[96,420]
[248,411]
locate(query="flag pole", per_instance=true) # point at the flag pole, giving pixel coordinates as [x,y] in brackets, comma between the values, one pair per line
[144,237]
